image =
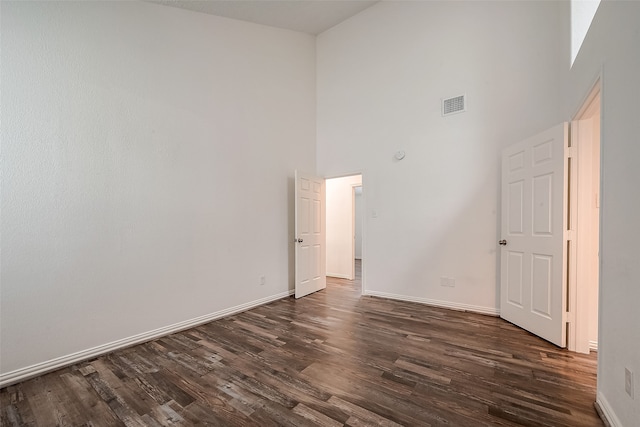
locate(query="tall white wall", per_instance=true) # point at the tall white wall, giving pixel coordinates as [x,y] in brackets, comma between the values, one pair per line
[340,225]
[147,164]
[611,45]
[381,76]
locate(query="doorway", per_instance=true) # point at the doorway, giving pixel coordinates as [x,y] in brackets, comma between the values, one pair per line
[584,198]
[343,195]
[550,231]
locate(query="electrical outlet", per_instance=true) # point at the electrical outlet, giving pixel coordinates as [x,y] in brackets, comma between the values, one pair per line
[448,282]
[628,381]
[263,280]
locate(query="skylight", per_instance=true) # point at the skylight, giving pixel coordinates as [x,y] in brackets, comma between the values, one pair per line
[582,13]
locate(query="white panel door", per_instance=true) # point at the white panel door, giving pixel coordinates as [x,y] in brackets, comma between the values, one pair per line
[532,294]
[310,234]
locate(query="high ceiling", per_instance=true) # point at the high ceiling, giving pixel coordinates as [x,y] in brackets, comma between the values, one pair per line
[307,16]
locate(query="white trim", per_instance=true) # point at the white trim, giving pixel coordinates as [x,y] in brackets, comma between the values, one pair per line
[444,304]
[60,362]
[593,345]
[610,417]
[596,81]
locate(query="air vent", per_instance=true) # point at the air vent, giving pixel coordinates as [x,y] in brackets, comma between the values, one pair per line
[453,105]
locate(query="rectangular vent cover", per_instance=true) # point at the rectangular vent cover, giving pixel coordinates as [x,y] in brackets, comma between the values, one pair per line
[454,105]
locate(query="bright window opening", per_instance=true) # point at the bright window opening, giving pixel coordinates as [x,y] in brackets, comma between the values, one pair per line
[582,13]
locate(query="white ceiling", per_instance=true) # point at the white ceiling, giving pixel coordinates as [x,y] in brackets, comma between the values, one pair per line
[307,16]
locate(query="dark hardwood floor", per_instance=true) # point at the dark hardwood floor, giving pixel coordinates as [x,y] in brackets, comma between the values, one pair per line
[333,358]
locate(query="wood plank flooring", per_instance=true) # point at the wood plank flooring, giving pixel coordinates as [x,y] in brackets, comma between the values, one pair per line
[333,358]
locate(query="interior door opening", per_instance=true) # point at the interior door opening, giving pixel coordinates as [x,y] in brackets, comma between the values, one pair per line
[550,232]
[532,295]
[344,194]
[584,262]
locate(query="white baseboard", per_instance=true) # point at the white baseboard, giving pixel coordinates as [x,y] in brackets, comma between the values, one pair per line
[610,418]
[593,345]
[22,374]
[339,276]
[444,304]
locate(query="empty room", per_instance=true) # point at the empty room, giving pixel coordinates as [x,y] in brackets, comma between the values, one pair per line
[490,147]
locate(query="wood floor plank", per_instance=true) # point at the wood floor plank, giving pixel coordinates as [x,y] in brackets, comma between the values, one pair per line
[333,358]
[316,417]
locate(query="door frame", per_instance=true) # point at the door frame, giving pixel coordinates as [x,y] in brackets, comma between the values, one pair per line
[353,227]
[357,212]
[578,331]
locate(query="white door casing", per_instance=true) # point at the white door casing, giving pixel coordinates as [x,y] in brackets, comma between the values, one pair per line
[310,234]
[532,291]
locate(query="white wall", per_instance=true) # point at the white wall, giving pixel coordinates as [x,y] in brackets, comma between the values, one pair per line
[381,76]
[612,45]
[147,164]
[340,226]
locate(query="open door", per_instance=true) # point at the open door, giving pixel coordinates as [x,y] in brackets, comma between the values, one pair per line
[310,234]
[532,291]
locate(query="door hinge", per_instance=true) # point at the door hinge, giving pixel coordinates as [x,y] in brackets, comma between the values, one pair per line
[571,151]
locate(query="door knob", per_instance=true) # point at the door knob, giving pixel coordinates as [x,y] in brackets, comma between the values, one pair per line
[502,242]
[299,240]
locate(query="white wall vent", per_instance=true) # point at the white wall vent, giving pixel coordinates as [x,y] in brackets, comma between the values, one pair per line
[454,105]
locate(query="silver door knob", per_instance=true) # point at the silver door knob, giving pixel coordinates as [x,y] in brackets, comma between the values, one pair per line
[502,242]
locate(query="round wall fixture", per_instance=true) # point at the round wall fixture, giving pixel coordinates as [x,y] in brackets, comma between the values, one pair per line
[399,155]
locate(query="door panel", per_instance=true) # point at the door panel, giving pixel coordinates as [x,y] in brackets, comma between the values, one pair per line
[542,205]
[516,194]
[541,285]
[310,234]
[514,293]
[532,261]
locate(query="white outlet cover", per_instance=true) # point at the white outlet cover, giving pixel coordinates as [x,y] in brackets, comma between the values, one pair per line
[628,382]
